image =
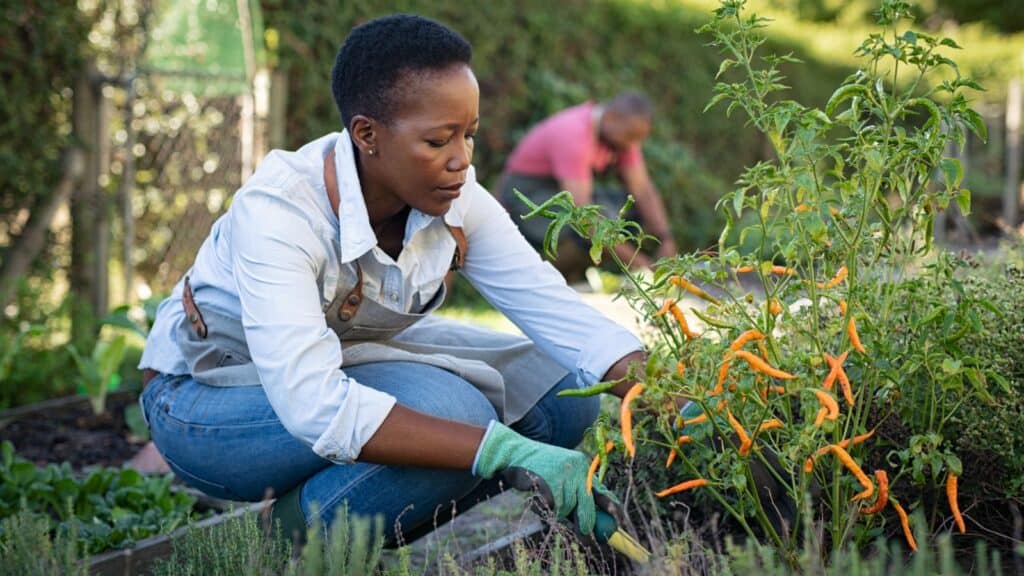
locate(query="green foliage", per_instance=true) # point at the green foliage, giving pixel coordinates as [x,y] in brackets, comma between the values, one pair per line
[27,549]
[109,508]
[244,545]
[882,558]
[99,372]
[533,58]
[43,47]
[238,545]
[848,206]
[990,433]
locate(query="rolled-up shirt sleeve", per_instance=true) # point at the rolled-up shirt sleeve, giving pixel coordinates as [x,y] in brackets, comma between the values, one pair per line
[276,258]
[510,274]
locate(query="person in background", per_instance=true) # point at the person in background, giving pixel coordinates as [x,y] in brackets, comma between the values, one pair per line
[564,152]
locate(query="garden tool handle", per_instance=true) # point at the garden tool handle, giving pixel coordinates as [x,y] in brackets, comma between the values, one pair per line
[606,530]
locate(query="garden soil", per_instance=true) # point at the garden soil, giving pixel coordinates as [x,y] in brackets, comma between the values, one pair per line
[73,434]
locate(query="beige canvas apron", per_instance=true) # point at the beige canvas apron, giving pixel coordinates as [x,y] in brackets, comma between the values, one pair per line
[508,369]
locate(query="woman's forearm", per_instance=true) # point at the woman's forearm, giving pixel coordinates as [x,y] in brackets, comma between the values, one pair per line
[620,369]
[411,438]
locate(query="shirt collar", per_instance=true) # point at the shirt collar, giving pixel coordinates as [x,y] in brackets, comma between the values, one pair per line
[354,230]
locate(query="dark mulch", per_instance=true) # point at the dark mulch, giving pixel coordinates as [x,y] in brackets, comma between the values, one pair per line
[74,434]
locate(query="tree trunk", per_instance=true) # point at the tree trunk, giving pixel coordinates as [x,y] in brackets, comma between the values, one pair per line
[26,247]
[88,215]
[1011,189]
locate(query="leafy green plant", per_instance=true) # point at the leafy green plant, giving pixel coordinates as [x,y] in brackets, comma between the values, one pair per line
[108,508]
[98,373]
[27,548]
[845,317]
[245,545]
[10,348]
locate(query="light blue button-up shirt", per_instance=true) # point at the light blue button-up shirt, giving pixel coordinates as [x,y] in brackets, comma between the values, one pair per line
[273,260]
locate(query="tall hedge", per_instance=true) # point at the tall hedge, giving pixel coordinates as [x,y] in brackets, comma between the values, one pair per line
[534,57]
[41,43]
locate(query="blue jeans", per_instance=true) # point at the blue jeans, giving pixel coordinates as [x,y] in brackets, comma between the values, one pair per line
[229,443]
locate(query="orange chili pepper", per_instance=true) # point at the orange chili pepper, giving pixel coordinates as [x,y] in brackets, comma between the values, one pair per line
[820,416]
[809,464]
[680,368]
[761,366]
[770,424]
[742,339]
[689,287]
[883,493]
[723,373]
[608,446]
[906,526]
[695,420]
[783,271]
[857,439]
[777,389]
[683,324]
[682,487]
[842,307]
[835,368]
[802,208]
[626,416]
[743,269]
[844,384]
[851,331]
[672,454]
[763,350]
[774,307]
[591,471]
[836,280]
[745,441]
[669,302]
[827,402]
[951,487]
[855,468]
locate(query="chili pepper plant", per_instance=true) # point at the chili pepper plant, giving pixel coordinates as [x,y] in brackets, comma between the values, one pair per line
[811,337]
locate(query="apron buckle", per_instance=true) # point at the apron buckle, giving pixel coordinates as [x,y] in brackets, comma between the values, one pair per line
[195,318]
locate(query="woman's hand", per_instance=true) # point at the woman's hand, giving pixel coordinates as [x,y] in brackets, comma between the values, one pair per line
[558,475]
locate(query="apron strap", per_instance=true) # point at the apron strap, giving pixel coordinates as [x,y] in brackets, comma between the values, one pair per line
[195,318]
[350,305]
[461,246]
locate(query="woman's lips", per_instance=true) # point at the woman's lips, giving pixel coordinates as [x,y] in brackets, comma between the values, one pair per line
[451,192]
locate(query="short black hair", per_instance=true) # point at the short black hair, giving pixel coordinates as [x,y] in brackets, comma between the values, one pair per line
[378,52]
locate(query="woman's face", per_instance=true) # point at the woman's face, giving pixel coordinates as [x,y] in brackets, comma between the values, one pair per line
[422,155]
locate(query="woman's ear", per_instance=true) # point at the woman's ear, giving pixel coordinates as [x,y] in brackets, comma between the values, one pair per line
[364,133]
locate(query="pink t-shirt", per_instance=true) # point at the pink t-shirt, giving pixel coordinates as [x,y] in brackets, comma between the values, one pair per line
[565,147]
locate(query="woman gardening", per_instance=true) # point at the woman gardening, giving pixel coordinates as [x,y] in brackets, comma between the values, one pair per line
[299,354]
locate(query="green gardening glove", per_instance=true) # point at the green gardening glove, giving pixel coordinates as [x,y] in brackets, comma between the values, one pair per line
[558,475]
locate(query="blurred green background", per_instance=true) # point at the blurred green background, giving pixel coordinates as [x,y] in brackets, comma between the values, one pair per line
[180,81]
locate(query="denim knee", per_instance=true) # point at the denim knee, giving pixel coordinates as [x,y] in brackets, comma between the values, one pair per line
[428,389]
[560,420]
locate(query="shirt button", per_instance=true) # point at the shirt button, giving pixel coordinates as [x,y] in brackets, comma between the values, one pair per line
[394,297]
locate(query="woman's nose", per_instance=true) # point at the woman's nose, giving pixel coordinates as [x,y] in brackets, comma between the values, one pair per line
[461,157]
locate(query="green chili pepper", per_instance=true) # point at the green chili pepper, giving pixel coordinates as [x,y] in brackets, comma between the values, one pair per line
[590,391]
[710,321]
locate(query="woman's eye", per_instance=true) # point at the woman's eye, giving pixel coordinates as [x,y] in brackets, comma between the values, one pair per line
[437,143]
[470,137]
